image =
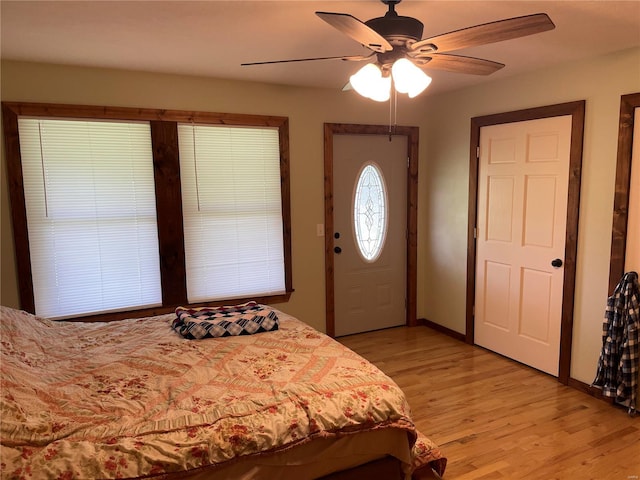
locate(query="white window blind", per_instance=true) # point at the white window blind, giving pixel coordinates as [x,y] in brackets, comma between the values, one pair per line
[90,199]
[232,209]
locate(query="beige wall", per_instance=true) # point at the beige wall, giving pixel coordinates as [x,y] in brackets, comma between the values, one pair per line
[444,123]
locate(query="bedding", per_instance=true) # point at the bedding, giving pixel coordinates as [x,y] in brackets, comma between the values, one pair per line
[133,399]
[246,319]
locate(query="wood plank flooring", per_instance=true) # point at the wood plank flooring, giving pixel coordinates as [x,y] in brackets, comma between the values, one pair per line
[497,419]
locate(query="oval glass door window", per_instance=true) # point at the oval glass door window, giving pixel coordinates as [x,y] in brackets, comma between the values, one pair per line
[370,212]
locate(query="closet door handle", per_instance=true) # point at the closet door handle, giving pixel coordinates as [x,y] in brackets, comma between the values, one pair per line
[337,250]
[556,263]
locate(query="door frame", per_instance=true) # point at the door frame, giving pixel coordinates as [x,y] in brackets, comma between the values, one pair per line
[576,110]
[628,104]
[331,129]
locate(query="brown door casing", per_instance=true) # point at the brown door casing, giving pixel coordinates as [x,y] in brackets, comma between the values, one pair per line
[628,104]
[576,110]
[331,129]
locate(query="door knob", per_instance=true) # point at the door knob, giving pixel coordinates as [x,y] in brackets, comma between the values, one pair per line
[337,249]
[556,263]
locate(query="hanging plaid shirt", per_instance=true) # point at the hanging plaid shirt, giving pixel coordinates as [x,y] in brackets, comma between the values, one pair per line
[618,365]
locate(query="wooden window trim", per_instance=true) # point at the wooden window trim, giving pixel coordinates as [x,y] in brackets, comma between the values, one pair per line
[167,180]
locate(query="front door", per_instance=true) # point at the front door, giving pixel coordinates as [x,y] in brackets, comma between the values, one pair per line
[523,178]
[370,225]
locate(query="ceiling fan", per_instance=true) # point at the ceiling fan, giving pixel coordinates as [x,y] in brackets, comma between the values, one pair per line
[393,37]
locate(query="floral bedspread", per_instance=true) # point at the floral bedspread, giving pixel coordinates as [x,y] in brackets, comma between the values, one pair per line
[133,398]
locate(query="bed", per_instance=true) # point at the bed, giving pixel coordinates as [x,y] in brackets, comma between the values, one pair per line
[136,399]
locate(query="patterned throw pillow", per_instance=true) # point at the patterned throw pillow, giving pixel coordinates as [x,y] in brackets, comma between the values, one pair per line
[245,319]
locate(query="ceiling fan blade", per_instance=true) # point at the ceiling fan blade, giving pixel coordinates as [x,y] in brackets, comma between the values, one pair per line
[459,64]
[486,33]
[352,58]
[354,28]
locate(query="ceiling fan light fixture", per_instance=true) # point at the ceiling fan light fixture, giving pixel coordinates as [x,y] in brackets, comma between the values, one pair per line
[370,83]
[408,78]
[395,40]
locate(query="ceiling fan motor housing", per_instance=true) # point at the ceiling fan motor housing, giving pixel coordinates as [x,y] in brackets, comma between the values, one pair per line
[396,29]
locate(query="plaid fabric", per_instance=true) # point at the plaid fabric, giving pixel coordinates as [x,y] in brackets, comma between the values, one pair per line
[619,360]
[245,319]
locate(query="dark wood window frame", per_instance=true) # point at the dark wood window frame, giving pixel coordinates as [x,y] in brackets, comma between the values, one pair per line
[164,137]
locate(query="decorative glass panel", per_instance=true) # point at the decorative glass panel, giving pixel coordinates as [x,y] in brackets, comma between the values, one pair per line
[370,212]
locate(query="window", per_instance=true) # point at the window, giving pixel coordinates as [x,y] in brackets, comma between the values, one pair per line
[91,216]
[370,212]
[117,187]
[232,211]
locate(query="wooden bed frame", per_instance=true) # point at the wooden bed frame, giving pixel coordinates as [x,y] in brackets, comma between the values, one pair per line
[388,468]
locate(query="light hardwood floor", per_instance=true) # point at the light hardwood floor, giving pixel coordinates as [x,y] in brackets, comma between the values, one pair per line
[494,418]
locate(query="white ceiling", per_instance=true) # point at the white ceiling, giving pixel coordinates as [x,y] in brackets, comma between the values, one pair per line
[212,38]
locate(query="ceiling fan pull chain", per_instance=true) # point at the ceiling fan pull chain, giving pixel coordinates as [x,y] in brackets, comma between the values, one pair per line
[392,125]
[390,102]
[395,110]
